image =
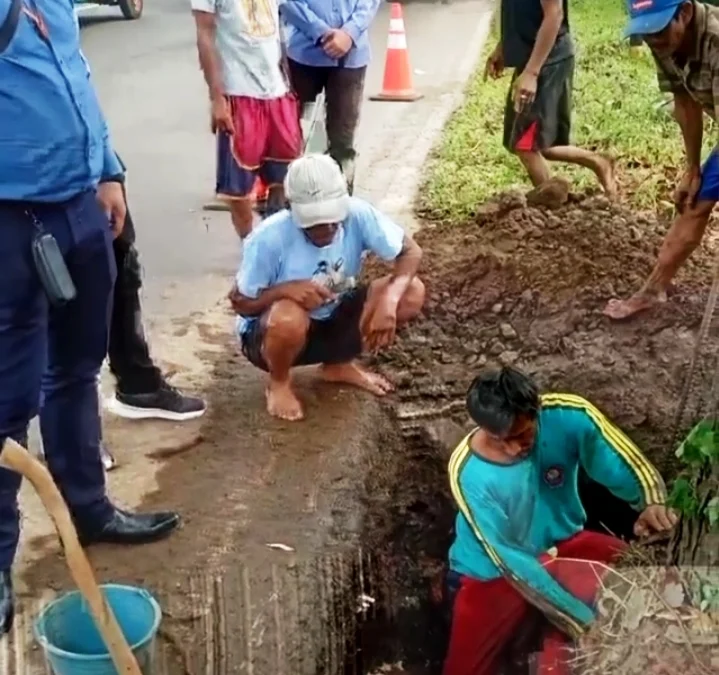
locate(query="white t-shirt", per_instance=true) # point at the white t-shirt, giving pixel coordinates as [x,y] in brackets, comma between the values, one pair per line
[248,43]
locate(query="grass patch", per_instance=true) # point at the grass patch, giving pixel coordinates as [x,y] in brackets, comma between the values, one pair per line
[617,109]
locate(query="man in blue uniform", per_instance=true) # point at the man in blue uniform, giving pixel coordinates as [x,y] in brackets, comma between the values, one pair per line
[520,528]
[60,191]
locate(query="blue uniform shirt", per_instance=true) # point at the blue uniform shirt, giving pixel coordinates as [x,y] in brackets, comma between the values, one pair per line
[54,141]
[509,515]
[307,21]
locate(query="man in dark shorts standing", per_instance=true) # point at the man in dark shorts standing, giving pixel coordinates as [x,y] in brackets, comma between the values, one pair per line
[297,293]
[254,114]
[536,42]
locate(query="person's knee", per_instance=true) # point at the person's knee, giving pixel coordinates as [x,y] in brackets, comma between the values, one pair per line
[287,322]
[275,200]
[15,415]
[412,301]
[692,224]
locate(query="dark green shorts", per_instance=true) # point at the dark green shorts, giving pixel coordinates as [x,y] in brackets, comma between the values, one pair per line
[547,123]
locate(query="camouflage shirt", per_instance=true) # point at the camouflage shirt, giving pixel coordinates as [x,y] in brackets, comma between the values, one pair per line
[700,75]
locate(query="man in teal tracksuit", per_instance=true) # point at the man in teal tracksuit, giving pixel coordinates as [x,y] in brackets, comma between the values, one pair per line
[520,527]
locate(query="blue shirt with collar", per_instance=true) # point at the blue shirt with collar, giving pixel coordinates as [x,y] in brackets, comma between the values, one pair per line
[308,20]
[54,141]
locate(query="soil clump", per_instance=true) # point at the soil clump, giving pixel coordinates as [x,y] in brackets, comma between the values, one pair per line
[526,285]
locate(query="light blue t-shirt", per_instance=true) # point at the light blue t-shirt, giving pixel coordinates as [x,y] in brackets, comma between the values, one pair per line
[278,251]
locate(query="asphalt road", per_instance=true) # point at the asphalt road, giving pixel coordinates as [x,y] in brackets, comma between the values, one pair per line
[155,101]
[154,97]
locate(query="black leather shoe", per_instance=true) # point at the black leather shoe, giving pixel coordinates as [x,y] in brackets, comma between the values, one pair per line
[7,602]
[130,528]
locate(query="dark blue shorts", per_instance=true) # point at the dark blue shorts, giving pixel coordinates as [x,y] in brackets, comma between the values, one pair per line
[709,191]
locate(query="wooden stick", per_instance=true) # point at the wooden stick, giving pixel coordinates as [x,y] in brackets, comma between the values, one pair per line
[16,458]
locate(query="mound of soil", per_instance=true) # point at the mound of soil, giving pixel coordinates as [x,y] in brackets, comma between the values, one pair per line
[526,285]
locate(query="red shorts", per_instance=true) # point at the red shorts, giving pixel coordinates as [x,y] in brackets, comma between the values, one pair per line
[488,614]
[267,138]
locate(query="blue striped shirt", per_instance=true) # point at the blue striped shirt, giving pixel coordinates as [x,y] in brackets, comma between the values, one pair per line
[306,21]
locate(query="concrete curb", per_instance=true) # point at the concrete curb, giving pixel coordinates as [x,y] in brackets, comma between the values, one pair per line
[401,193]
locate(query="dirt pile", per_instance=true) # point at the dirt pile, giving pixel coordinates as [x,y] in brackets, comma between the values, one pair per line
[526,285]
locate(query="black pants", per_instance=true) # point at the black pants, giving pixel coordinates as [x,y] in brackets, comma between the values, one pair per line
[343,89]
[129,354]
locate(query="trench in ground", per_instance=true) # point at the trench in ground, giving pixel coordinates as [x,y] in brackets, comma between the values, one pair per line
[408,528]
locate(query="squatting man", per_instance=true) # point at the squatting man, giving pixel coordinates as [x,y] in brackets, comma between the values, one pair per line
[521,543]
[297,291]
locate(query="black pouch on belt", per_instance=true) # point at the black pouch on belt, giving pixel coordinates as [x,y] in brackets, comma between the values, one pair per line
[50,265]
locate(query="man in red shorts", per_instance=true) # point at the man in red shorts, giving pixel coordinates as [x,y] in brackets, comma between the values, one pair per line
[520,549]
[254,114]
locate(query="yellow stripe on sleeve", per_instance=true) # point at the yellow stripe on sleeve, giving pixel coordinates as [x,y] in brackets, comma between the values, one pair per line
[456,462]
[651,482]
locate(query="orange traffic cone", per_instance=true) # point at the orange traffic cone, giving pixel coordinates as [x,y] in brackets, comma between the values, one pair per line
[397,85]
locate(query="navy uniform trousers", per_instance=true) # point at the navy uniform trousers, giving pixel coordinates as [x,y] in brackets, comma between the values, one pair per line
[50,357]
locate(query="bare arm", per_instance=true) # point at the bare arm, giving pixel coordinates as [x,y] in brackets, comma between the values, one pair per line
[546,36]
[207,52]
[305,293]
[688,113]
[405,269]
[252,307]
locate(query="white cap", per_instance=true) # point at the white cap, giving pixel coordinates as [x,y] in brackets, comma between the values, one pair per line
[317,191]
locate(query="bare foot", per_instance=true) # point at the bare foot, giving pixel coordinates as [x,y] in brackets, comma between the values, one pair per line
[354,374]
[282,402]
[607,175]
[639,302]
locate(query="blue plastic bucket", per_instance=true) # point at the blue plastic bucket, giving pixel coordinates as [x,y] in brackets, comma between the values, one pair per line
[72,644]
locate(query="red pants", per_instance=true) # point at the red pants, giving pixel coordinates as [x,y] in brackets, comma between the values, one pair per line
[487,614]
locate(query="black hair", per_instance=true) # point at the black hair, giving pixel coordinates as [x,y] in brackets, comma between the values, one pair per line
[496,398]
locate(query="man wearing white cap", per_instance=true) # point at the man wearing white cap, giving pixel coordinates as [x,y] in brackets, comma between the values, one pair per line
[683,36]
[297,292]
